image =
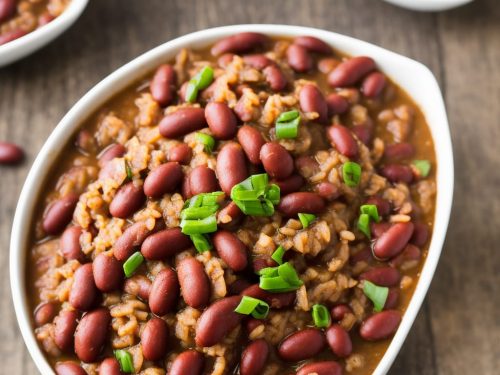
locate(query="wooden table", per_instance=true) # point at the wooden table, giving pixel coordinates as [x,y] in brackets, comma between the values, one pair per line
[458,328]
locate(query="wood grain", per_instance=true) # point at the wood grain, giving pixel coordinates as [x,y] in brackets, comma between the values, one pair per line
[458,328]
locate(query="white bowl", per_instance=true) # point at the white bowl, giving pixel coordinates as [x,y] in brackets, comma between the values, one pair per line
[19,48]
[429,5]
[412,76]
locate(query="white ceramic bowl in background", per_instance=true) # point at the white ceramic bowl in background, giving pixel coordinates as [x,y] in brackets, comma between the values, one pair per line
[22,47]
[429,5]
[412,76]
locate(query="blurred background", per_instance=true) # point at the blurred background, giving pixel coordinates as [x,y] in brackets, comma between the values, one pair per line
[458,328]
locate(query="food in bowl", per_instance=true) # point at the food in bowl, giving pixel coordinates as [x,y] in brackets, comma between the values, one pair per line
[20,17]
[260,206]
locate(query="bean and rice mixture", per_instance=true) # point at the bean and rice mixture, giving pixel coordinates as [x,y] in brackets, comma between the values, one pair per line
[20,17]
[260,207]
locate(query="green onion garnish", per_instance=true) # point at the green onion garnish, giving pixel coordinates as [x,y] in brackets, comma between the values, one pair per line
[191,92]
[287,125]
[207,140]
[364,225]
[280,279]
[199,82]
[278,255]
[132,263]
[351,173]
[125,360]
[205,225]
[254,196]
[306,219]
[371,210]
[321,316]
[128,170]
[377,294]
[198,212]
[201,242]
[423,167]
[253,306]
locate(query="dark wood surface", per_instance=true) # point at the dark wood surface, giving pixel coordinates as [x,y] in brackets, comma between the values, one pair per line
[458,328]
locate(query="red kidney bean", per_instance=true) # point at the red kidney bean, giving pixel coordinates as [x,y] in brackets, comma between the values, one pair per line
[252,141]
[420,234]
[225,59]
[7,9]
[114,150]
[304,202]
[313,44]
[383,276]
[363,132]
[327,64]
[275,300]
[217,321]
[182,122]
[290,184]
[373,84]
[342,139]
[189,362]
[393,241]
[132,237]
[91,333]
[221,120]
[64,330]
[181,154]
[231,166]
[9,36]
[409,253]
[397,173]
[338,312]
[321,368]
[307,166]
[128,199]
[69,368]
[260,263]
[275,77]
[364,255]
[277,161]
[302,345]
[138,285]
[164,292]
[83,292]
[229,216]
[59,214]
[195,287]
[164,244]
[186,186]
[392,299]
[399,151]
[202,180]
[328,191]
[257,61]
[378,228]
[162,85]
[154,339]
[231,250]
[380,326]
[383,206]
[238,286]
[44,313]
[163,179]
[254,358]
[336,104]
[299,59]
[110,366]
[10,153]
[339,340]
[351,71]
[70,244]
[312,100]
[239,43]
[108,273]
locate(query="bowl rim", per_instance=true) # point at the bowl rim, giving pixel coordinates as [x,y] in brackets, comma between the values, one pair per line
[429,5]
[23,46]
[425,85]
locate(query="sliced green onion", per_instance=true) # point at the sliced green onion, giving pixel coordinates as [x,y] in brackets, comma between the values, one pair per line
[278,255]
[269,272]
[213,198]
[254,196]
[306,219]
[259,181]
[132,263]
[276,285]
[207,140]
[198,212]
[321,316]
[371,210]
[279,279]
[206,225]
[423,167]
[364,225]
[377,294]
[201,242]
[128,170]
[245,195]
[273,193]
[288,273]
[287,125]
[351,173]
[253,306]
[191,92]
[204,78]
[125,360]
